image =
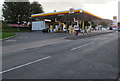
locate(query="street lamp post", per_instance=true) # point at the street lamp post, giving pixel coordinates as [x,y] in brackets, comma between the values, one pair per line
[18,22]
[30,23]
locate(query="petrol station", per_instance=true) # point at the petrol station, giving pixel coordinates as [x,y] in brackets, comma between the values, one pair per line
[71,21]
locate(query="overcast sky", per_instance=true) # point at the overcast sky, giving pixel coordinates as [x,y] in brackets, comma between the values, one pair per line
[103,8]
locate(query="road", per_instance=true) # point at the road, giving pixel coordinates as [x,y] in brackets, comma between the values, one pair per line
[90,58]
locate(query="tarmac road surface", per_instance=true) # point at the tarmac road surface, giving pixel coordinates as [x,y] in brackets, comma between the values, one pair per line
[90,58]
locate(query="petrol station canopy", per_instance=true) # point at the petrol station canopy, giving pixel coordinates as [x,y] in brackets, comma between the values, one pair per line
[68,16]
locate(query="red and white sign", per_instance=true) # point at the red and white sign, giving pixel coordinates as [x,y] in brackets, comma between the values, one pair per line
[57,19]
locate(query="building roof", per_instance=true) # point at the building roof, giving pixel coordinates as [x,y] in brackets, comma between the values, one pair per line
[63,12]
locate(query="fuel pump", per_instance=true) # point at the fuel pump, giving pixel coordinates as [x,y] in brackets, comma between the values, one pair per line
[76,28]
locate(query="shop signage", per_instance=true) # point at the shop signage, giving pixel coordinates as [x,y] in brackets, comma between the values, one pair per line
[71,10]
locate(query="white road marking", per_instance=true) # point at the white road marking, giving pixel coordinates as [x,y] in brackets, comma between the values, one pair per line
[26,37]
[82,46]
[10,40]
[24,65]
[110,65]
[90,66]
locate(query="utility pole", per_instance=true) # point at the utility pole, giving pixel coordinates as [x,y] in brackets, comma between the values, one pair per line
[18,22]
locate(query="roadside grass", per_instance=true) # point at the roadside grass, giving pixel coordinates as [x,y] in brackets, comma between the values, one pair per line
[7,28]
[14,29]
[5,35]
[8,31]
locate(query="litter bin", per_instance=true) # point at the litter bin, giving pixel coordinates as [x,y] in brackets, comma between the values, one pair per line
[76,32]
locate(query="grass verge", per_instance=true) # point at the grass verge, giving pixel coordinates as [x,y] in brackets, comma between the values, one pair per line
[5,35]
[8,31]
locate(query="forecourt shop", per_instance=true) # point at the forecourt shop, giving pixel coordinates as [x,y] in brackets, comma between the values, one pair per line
[70,21]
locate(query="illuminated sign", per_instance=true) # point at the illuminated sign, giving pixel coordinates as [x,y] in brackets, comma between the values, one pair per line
[115,17]
[115,22]
[71,10]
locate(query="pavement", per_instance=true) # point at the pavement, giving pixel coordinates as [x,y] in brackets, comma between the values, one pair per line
[27,37]
[85,35]
[29,40]
[58,58]
[30,45]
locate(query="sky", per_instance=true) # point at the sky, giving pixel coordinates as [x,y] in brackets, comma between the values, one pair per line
[102,8]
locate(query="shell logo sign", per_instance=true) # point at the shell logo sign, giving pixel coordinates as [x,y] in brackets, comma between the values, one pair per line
[114,17]
[71,10]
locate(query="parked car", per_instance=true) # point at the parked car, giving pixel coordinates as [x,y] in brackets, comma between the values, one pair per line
[46,30]
[118,29]
[104,29]
[110,28]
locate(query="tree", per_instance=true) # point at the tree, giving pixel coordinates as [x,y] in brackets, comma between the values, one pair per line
[11,10]
[36,8]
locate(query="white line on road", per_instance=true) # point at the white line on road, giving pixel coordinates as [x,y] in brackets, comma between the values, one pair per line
[24,65]
[82,46]
[10,40]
